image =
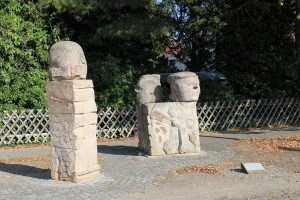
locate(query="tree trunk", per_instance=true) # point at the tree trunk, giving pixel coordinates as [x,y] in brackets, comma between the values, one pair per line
[297,21]
[297,36]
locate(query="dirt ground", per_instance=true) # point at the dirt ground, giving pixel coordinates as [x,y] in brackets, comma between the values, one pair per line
[224,179]
[282,152]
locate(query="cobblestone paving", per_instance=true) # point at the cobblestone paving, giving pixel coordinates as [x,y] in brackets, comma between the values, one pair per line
[123,171]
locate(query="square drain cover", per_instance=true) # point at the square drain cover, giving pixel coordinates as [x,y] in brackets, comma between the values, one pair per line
[253,168]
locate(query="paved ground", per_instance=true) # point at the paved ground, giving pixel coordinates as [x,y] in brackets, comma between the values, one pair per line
[128,175]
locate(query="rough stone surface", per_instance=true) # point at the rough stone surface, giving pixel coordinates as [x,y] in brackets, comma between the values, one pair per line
[72,122]
[70,96]
[67,61]
[148,90]
[170,128]
[185,87]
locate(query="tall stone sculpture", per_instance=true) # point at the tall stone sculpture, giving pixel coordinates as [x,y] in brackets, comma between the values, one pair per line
[72,115]
[166,128]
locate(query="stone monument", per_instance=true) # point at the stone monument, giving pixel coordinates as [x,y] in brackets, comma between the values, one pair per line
[72,115]
[148,90]
[166,128]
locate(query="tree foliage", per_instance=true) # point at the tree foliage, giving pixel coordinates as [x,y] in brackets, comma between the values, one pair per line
[122,40]
[256,51]
[250,41]
[26,33]
[193,25]
[254,43]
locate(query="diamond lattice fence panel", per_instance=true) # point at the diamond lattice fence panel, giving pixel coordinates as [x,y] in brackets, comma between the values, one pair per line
[22,127]
[116,122]
[19,127]
[213,116]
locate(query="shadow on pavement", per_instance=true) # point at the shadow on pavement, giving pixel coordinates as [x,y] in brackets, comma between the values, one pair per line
[237,170]
[219,137]
[25,170]
[286,129]
[245,132]
[118,150]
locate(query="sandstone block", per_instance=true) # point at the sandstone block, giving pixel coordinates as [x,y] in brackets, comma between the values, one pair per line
[80,137]
[85,137]
[172,128]
[74,165]
[72,121]
[58,106]
[70,89]
[65,97]
[73,160]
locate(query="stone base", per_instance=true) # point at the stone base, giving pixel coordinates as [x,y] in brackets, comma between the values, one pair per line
[201,154]
[89,174]
[169,128]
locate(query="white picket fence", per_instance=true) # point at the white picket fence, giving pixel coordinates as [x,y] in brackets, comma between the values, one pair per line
[31,126]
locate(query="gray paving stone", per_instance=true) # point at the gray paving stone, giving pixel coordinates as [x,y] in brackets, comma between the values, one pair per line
[122,170]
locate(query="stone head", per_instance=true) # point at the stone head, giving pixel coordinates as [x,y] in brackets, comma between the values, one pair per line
[185,87]
[67,61]
[148,89]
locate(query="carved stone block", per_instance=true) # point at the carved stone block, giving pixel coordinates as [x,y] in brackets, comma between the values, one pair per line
[170,128]
[72,121]
[66,97]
